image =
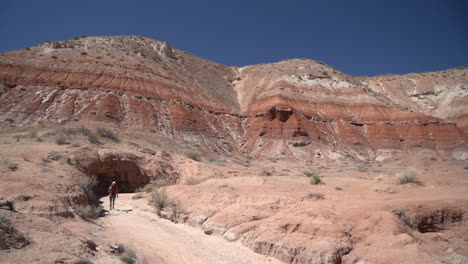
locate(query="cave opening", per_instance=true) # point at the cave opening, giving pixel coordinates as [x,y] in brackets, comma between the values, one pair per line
[125,172]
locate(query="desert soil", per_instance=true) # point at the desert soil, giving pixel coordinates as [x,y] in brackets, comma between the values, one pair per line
[161,241]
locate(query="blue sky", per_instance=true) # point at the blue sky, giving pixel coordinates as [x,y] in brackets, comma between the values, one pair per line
[368,37]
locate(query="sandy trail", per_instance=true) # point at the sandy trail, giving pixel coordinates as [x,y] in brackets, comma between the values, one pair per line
[161,241]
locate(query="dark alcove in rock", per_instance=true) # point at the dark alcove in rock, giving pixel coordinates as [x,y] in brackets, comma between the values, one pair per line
[126,173]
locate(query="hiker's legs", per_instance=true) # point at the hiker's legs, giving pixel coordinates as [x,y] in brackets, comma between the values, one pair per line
[111,201]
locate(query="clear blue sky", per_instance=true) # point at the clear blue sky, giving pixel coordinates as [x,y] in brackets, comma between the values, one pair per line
[367,37]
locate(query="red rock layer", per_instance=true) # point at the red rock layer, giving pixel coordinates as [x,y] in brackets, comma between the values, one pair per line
[299,109]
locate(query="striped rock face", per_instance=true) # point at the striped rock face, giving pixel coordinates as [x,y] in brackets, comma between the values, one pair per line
[294,109]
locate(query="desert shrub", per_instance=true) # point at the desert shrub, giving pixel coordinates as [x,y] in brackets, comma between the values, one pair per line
[93,138]
[33,134]
[192,181]
[155,184]
[316,180]
[107,133]
[87,184]
[83,261]
[26,157]
[265,172]
[309,173]
[193,155]
[137,195]
[5,222]
[148,151]
[362,169]
[88,211]
[128,255]
[408,177]
[159,199]
[61,139]
[316,196]
[10,165]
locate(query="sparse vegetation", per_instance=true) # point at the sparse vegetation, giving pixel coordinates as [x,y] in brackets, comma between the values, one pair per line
[88,211]
[408,177]
[83,261]
[107,133]
[10,165]
[315,196]
[137,195]
[88,184]
[155,184]
[192,181]
[362,168]
[159,199]
[128,255]
[61,139]
[5,222]
[316,180]
[309,173]
[93,138]
[193,155]
[148,151]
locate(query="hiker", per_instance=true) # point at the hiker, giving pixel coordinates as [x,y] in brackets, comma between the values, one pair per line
[113,193]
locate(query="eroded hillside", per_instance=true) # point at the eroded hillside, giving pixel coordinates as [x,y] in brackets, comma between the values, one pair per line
[295,109]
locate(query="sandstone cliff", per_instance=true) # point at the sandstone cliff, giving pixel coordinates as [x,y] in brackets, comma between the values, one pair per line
[295,109]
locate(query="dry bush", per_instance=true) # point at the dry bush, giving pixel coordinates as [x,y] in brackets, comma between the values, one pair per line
[93,138]
[160,200]
[148,151]
[362,169]
[192,181]
[107,133]
[155,184]
[61,139]
[408,177]
[309,173]
[128,255]
[137,195]
[83,261]
[5,222]
[193,155]
[88,211]
[87,184]
[10,165]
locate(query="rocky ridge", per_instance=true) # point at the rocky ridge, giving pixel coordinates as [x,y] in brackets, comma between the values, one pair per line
[295,109]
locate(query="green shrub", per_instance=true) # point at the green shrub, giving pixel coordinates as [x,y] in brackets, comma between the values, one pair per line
[316,180]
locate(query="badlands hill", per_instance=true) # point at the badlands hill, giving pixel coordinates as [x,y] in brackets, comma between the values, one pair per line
[288,162]
[295,109]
